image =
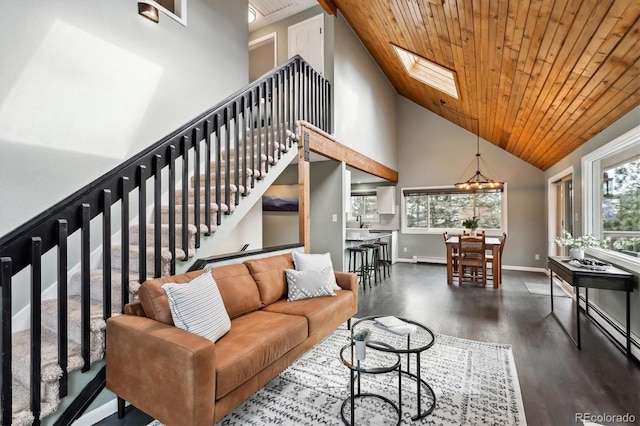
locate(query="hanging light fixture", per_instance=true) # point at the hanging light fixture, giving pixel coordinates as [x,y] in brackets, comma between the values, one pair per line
[479,180]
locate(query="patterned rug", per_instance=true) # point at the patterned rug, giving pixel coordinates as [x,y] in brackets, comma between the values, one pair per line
[475,383]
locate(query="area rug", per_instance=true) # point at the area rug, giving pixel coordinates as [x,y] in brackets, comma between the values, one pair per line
[543,289]
[475,383]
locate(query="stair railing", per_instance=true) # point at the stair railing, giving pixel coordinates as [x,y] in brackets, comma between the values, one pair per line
[239,130]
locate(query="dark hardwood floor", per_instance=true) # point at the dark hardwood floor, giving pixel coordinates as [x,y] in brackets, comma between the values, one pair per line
[557,380]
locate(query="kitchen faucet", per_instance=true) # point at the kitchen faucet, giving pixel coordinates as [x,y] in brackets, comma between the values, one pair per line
[359,219]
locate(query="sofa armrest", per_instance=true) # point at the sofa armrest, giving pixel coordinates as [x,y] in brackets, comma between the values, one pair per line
[166,372]
[347,281]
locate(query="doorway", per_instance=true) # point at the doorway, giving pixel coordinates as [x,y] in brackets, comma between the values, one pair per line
[306,39]
[263,55]
[561,210]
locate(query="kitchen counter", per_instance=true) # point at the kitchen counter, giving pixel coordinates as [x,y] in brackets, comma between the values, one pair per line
[366,236]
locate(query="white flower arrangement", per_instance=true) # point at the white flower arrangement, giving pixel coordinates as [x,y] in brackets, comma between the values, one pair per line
[586,241]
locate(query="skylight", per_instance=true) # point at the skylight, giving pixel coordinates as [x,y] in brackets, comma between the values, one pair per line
[428,72]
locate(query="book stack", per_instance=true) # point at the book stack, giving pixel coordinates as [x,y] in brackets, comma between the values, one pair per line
[394,325]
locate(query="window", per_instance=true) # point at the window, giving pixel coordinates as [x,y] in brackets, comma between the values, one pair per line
[174,9]
[612,195]
[434,209]
[365,205]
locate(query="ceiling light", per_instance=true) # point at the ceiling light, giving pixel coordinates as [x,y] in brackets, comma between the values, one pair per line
[479,181]
[428,72]
[252,15]
[148,11]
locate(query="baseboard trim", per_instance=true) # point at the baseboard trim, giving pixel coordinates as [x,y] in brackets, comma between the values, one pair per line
[442,261]
[94,416]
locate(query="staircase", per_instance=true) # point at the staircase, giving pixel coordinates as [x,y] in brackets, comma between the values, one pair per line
[178,192]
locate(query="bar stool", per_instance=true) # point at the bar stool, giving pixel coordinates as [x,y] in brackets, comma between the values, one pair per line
[362,270]
[384,260]
[373,266]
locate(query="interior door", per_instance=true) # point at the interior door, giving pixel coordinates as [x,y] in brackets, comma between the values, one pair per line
[307,40]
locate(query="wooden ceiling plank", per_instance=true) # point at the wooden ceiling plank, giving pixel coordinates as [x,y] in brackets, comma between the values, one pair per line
[500,18]
[573,44]
[589,103]
[590,90]
[528,117]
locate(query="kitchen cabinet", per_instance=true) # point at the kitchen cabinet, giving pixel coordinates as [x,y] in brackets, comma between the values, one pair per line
[386,197]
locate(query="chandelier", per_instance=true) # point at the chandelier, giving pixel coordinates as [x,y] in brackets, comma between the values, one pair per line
[479,180]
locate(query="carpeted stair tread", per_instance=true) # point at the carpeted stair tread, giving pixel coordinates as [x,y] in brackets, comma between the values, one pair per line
[222,182]
[164,228]
[96,284]
[96,322]
[165,212]
[191,195]
[134,250]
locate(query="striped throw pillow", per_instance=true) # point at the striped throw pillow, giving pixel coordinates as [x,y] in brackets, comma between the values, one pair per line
[197,307]
[306,262]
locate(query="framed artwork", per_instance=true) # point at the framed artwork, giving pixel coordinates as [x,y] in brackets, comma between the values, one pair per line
[280,198]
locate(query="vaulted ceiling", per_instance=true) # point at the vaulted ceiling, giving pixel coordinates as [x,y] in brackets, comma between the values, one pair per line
[536,78]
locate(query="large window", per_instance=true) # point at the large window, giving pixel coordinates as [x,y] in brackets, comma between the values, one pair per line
[434,209]
[612,195]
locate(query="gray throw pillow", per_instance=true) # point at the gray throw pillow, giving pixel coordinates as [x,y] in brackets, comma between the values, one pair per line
[305,262]
[308,284]
[197,307]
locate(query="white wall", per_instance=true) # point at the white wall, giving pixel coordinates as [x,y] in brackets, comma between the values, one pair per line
[435,151]
[364,100]
[103,83]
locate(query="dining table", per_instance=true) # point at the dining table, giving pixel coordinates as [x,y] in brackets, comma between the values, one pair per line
[492,243]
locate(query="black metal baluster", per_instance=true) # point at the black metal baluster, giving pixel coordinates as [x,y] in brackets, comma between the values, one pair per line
[142,223]
[281,112]
[218,162]
[63,230]
[268,131]
[275,119]
[328,107]
[172,207]
[124,231]
[106,253]
[243,106]
[36,327]
[298,85]
[236,151]
[196,183]
[7,341]
[185,196]
[227,159]
[252,135]
[157,215]
[259,119]
[85,286]
[208,127]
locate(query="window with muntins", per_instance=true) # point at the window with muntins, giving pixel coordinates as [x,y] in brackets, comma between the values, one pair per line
[364,205]
[436,209]
[612,195]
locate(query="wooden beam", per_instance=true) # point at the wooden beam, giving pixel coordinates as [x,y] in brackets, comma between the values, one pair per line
[304,199]
[329,6]
[325,145]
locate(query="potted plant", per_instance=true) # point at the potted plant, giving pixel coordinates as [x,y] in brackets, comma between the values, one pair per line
[471,223]
[577,245]
[360,341]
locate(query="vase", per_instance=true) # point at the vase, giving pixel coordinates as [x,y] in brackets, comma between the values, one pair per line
[361,349]
[576,253]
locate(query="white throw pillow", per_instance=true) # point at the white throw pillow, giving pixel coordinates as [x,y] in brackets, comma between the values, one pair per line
[306,262]
[197,307]
[308,284]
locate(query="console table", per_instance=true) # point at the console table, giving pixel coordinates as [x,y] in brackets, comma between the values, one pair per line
[610,279]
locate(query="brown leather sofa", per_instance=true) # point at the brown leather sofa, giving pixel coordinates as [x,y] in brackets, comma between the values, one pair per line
[181,378]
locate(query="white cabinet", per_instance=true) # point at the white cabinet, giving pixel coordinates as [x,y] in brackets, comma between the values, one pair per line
[386,197]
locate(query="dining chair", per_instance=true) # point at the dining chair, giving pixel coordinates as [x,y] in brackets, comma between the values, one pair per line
[489,256]
[472,259]
[454,253]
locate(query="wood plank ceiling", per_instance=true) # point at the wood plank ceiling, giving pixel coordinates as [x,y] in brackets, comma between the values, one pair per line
[541,77]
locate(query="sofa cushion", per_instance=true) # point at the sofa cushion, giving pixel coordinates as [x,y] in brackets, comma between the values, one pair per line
[305,262]
[318,311]
[197,307]
[255,341]
[154,298]
[308,284]
[268,274]
[238,289]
